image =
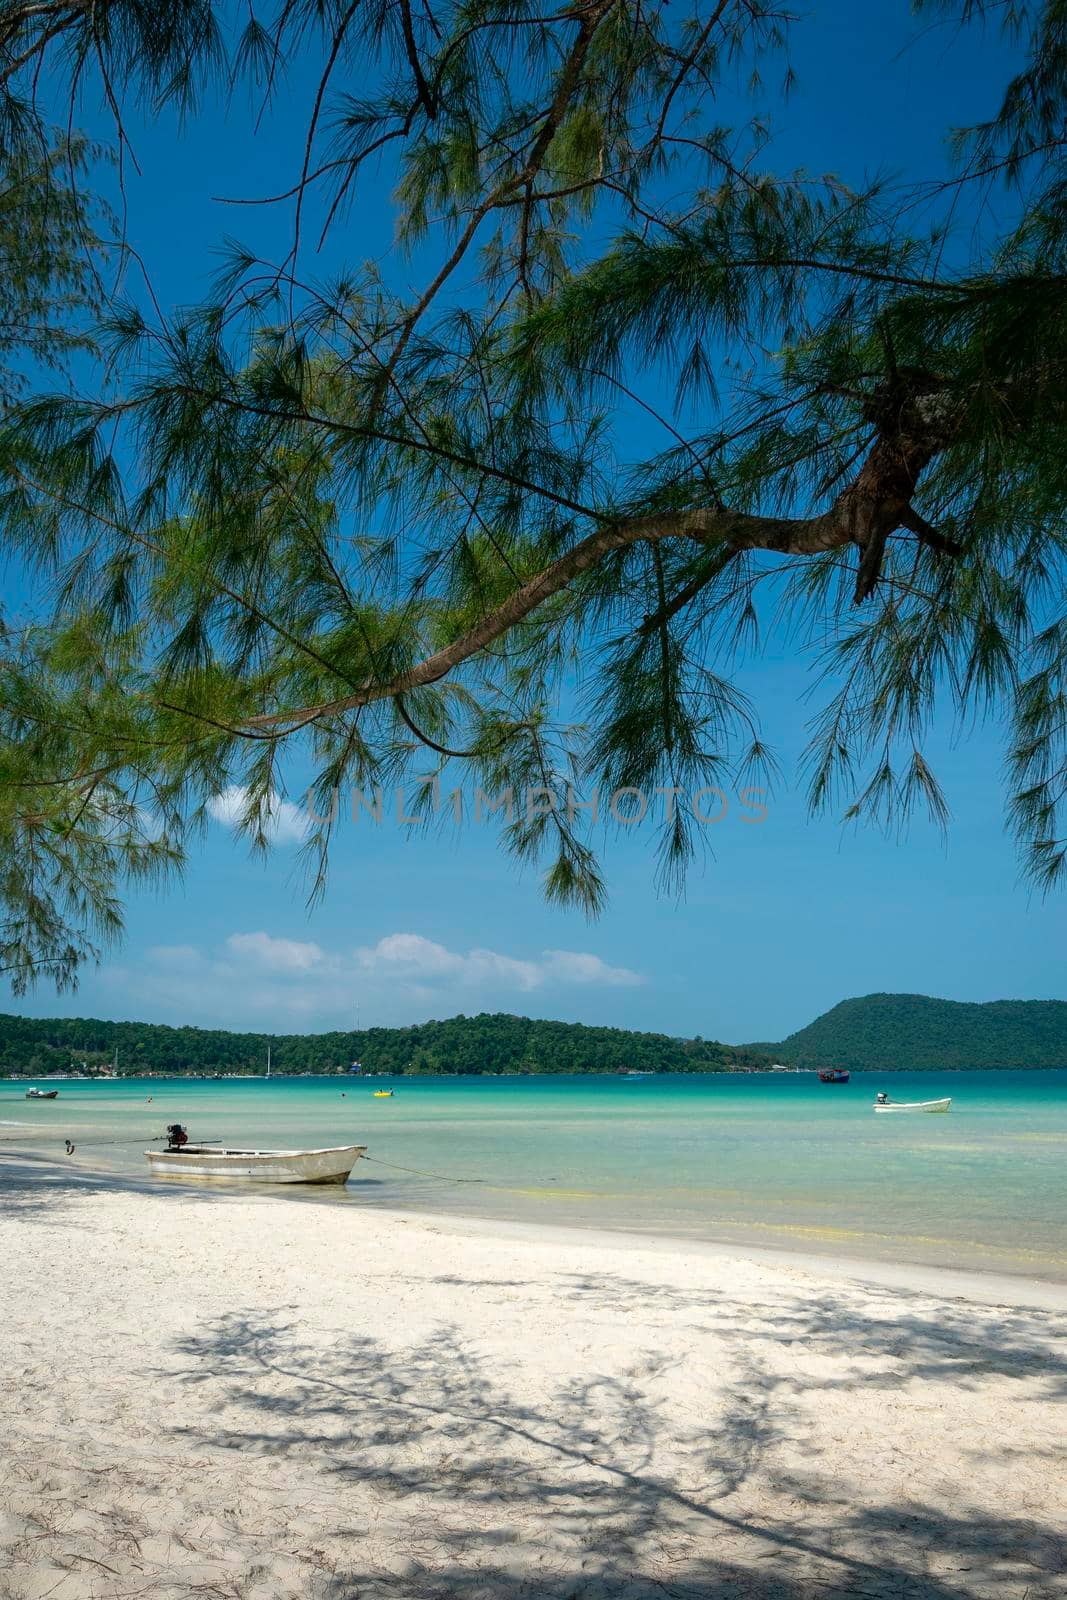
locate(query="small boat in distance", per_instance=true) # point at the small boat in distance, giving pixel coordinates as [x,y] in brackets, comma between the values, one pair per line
[833,1075]
[42,1094]
[184,1160]
[383,1094]
[885,1104]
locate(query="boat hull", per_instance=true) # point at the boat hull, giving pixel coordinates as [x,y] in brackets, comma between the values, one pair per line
[255,1166]
[918,1105]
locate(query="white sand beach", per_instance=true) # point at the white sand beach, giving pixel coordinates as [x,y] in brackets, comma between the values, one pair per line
[219,1396]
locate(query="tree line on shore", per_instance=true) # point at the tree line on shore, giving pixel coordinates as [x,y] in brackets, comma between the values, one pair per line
[489,1044]
[877,1032]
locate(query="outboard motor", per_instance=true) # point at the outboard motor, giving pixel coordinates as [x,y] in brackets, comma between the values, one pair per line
[176,1136]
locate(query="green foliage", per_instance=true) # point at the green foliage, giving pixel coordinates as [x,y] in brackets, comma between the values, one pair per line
[50,260]
[886,1032]
[487,1044]
[863,444]
[77,814]
[912,1032]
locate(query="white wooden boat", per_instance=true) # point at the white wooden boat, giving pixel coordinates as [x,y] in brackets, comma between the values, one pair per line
[914,1105]
[221,1163]
[42,1094]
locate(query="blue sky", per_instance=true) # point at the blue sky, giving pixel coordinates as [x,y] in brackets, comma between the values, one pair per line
[783,919]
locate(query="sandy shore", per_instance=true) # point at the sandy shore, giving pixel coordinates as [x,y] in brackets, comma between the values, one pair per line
[208,1395]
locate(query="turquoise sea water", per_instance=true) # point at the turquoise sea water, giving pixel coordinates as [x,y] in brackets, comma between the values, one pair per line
[780,1160]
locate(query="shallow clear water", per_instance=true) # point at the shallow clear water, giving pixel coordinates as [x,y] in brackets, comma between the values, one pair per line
[778,1160]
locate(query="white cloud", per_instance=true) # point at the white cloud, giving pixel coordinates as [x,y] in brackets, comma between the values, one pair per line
[409,952]
[409,955]
[277,955]
[288,824]
[175,957]
[576,966]
[257,978]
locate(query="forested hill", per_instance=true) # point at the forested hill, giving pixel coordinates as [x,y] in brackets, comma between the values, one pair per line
[887,1031]
[877,1031]
[482,1044]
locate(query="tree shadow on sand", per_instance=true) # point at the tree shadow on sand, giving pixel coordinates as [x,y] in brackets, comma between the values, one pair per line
[594,1492]
[899,1332]
[35,1186]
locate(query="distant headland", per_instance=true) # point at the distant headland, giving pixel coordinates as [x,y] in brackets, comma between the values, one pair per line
[880,1032]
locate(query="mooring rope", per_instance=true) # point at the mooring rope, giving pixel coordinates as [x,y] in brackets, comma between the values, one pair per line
[143,1138]
[419,1173]
[30,1137]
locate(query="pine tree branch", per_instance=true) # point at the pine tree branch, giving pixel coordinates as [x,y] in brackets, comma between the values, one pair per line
[422,88]
[678,602]
[864,513]
[928,534]
[590,15]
